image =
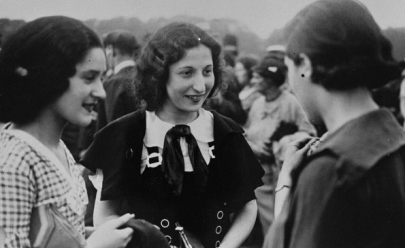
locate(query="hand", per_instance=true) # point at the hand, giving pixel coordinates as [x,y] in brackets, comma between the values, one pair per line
[109,236]
[261,149]
[296,152]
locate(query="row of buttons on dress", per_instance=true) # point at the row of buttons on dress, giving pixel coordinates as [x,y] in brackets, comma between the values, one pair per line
[165,223]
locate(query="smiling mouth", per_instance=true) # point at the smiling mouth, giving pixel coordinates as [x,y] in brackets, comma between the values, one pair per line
[89,106]
[195,98]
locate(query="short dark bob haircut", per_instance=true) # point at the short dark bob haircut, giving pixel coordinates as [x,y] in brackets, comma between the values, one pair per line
[272,68]
[343,43]
[166,47]
[36,62]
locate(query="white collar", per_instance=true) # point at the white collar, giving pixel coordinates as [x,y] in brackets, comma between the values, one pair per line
[123,64]
[156,129]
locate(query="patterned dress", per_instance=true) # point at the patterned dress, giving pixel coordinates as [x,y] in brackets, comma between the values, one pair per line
[32,176]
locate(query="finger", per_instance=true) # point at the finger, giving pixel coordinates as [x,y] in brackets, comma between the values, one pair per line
[115,223]
[308,145]
[301,142]
[127,235]
[126,232]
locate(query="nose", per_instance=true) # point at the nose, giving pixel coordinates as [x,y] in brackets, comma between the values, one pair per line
[98,90]
[199,84]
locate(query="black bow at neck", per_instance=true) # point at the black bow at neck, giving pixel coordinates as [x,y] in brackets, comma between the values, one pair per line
[173,161]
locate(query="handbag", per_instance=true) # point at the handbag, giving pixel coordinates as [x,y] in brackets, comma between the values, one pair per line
[50,229]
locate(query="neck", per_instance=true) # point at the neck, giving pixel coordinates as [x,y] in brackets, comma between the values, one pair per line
[47,131]
[342,107]
[272,93]
[176,118]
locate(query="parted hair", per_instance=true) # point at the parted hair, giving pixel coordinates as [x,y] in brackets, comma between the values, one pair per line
[343,43]
[166,47]
[36,62]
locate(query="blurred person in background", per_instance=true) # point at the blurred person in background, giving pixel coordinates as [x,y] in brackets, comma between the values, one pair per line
[402,92]
[349,190]
[387,95]
[122,47]
[247,92]
[275,119]
[226,101]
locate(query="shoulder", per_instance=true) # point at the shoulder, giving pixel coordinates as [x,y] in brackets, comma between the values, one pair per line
[225,124]
[18,159]
[316,177]
[130,123]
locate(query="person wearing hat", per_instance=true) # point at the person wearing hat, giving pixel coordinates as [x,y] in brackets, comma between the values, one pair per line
[275,118]
[121,48]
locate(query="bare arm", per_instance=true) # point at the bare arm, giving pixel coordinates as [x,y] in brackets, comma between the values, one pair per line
[296,152]
[105,210]
[241,227]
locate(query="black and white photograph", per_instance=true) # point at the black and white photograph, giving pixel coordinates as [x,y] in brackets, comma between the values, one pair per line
[202,124]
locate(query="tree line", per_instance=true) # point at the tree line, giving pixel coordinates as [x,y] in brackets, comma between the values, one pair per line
[248,42]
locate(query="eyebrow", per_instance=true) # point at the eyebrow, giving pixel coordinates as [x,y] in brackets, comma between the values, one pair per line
[192,67]
[91,71]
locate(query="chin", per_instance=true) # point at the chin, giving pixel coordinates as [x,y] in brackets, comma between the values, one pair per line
[82,122]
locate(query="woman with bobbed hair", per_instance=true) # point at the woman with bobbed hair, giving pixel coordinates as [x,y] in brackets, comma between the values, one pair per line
[169,46]
[50,74]
[244,73]
[350,190]
[173,162]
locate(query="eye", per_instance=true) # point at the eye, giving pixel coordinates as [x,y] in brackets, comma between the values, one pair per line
[90,77]
[186,73]
[208,71]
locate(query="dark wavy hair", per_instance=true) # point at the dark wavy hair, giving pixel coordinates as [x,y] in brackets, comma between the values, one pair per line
[36,62]
[272,67]
[166,47]
[248,62]
[344,44]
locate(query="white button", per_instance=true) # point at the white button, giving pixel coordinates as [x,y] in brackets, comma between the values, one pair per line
[217,244]
[220,215]
[169,239]
[218,230]
[165,223]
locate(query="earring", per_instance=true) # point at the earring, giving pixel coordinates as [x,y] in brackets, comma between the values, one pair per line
[305,74]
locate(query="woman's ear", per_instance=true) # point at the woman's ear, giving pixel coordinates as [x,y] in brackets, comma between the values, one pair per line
[305,66]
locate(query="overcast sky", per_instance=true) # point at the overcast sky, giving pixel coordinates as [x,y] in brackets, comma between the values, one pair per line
[260,16]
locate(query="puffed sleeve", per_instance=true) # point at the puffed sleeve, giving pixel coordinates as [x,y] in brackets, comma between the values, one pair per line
[113,152]
[241,171]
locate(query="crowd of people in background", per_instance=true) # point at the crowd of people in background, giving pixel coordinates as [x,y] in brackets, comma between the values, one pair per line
[300,146]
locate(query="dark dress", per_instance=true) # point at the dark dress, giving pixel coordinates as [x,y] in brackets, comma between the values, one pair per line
[234,174]
[350,192]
